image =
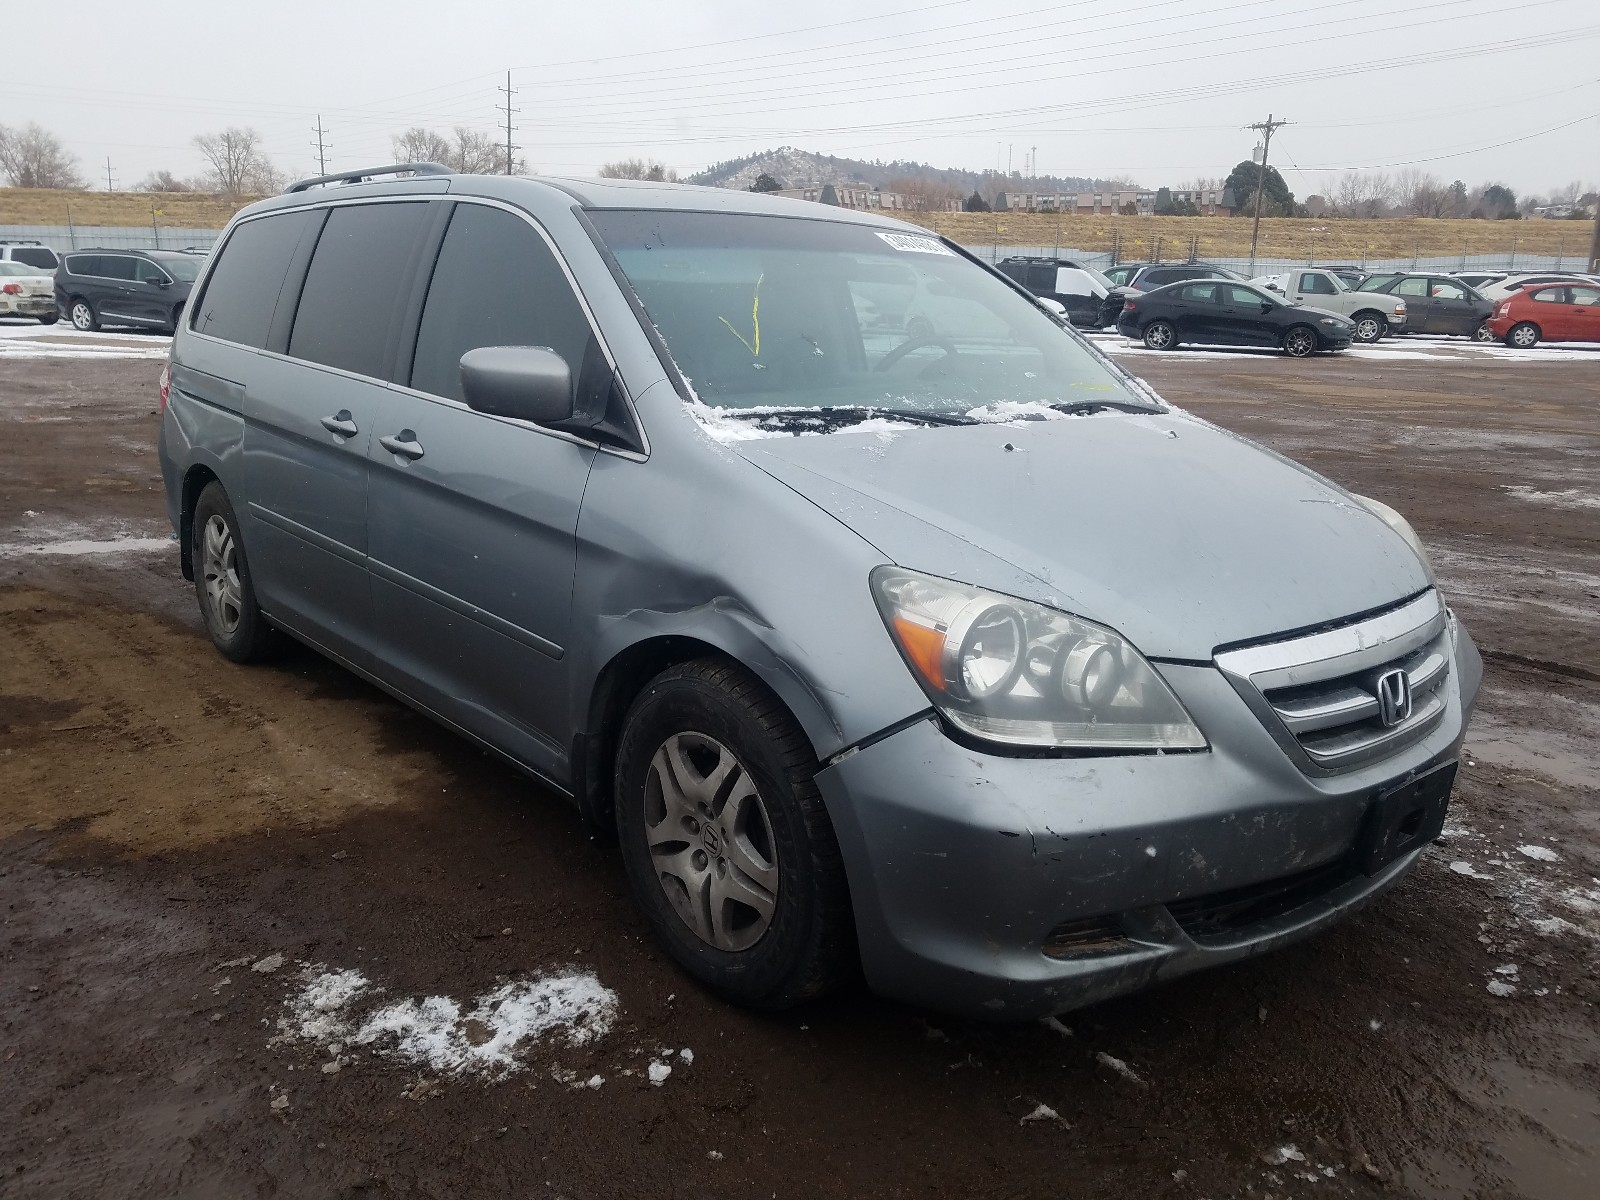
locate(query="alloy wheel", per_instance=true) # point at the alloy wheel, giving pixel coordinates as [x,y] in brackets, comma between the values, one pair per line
[711,841]
[220,570]
[82,316]
[1483,333]
[1158,336]
[1300,342]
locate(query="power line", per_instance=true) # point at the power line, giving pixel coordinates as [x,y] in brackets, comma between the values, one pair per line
[510,149]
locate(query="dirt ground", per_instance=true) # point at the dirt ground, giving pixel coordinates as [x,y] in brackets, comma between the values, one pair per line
[180,836]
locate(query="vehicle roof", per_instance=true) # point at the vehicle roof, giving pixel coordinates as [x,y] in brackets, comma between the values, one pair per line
[592,194]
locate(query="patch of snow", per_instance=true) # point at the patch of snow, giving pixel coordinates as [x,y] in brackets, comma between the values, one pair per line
[687,1055]
[658,1073]
[1539,853]
[1056,1025]
[80,547]
[1042,1113]
[1499,987]
[268,964]
[440,1033]
[1467,869]
[1119,1066]
[1286,1153]
[1570,498]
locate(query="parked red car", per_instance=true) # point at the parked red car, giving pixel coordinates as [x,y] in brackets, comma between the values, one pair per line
[1552,313]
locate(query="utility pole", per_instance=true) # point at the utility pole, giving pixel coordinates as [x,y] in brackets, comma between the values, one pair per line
[509,92]
[110,186]
[321,147]
[1594,241]
[1266,129]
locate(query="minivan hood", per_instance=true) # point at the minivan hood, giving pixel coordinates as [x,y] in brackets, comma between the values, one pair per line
[1179,535]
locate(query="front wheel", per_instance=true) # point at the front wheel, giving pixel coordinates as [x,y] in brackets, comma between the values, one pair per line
[728,847]
[1299,342]
[83,316]
[49,318]
[1483,333]
[1370,327]
[1523,336]
[1158,335]
[222,582]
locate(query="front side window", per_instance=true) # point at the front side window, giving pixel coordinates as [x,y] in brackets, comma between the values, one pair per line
[497,284]
[185,268]
[1246,296]
[1443,289]
[146,271]
[241,292]
[1317,284]
[352,289]
[1584,295]
[809,314]
[1553,295]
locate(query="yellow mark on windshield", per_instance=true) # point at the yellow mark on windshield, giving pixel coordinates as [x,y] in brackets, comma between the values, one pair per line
[755,321]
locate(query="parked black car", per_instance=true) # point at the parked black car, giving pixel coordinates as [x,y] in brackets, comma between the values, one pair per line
[1077,287]
[1134,278]
[145,288]
[1224,313]
[1436,303]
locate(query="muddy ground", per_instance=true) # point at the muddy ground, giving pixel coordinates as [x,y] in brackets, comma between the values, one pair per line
[170,822]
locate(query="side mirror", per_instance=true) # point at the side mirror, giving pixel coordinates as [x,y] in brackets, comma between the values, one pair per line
[1265,307]
[160,282]
[527,383]
[1056,308]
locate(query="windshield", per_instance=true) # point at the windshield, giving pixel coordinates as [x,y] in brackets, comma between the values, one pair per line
[1376,283]
[185,268]
[1119,276]
[778,312]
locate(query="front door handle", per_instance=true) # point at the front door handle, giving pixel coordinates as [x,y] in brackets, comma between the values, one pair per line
[341,423]
[404,444]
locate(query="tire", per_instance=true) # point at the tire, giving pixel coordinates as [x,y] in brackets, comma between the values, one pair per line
[1370,326]
[1300,342]
[752,902]
[84,318]
[919,327]
[1483,333]
[1160,335]
[1524,335]
[49,318]
[222,583]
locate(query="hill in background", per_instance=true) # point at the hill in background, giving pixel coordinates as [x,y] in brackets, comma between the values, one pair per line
[792,168]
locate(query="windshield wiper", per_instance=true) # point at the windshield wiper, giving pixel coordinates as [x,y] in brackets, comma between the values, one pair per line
[1083,408]
[851,415]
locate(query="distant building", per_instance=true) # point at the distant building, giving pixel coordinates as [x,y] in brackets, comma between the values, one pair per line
[861,196]
[1216,202]
[1111,200]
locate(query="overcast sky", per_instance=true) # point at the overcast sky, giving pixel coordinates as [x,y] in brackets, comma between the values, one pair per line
[1470,89]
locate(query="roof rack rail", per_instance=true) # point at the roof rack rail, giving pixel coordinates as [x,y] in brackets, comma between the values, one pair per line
[406,169]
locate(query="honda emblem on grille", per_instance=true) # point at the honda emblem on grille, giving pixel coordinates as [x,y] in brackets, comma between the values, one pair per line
[1394,698]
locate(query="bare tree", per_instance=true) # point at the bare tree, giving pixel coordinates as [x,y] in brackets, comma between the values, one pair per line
[466,151]
[162,181]
[238,166]
[1359,195]
[1201,183]
[33,157]
[925,195]
[1567,194]
[639,168]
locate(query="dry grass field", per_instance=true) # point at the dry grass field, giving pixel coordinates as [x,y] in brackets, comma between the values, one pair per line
[1281,237]
[181,210]
[1138,237]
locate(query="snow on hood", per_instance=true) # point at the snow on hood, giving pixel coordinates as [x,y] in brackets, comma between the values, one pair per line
[1180,535]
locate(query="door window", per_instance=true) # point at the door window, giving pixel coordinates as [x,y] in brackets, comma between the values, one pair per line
[1549,295]
[1411,287]
[1199,293]
[1242,296]
[352,287]
[1585,295]
[497,284]
[117,266]
[1443,289]
[146,271]
[1315,283]
[242,290]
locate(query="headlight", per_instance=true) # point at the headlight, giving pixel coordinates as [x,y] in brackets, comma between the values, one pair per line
[1009,671]
[1400,525]
[1333,321]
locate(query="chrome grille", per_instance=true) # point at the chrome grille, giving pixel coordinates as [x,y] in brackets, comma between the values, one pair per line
[1318,694]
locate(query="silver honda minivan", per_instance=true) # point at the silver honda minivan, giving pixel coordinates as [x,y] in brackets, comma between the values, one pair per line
[887,625]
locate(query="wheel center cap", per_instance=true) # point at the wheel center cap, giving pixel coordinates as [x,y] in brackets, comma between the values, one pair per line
[710,840]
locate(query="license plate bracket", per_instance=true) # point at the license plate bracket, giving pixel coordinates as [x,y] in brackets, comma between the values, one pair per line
[1405,818]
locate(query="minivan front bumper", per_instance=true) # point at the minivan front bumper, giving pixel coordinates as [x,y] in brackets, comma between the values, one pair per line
[1011,888]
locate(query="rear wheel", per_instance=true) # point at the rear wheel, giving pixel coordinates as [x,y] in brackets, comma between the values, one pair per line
[727,844]
[1159,335]
[222,581]
[83,316]
[1370,326]
[1523,336]
[1299,342]
[49,318]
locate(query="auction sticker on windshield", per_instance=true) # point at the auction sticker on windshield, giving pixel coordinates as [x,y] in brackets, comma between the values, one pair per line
[913,244]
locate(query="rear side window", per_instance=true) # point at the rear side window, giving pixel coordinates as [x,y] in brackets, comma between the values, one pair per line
[497,284]
[83,264]
[1200,293]
[35,256]
[1041,277]
[352,288]
[243,287]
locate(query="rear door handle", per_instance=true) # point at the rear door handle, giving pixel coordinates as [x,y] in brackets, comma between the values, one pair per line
[404,444]
[341,423]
